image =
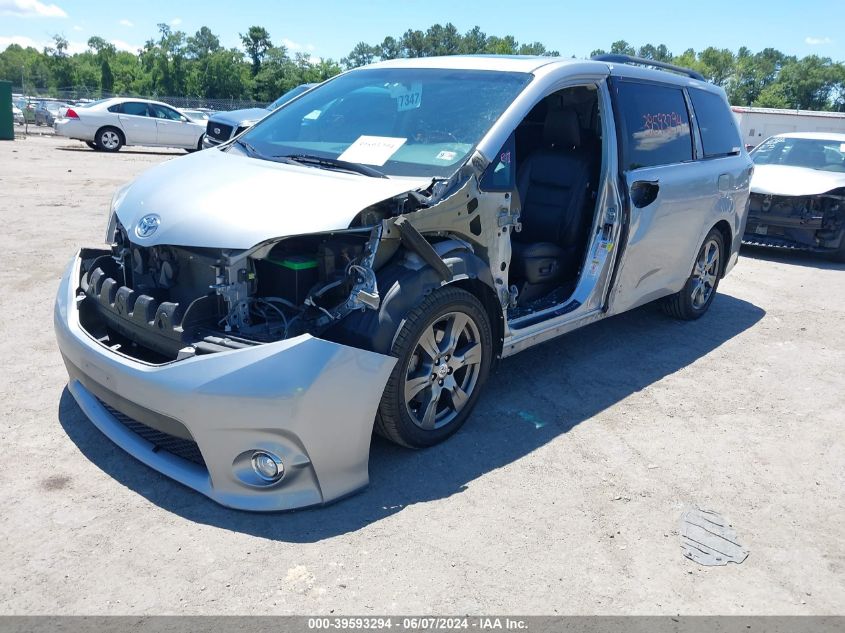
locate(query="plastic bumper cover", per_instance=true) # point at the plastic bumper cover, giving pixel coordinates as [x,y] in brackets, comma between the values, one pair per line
[309,401]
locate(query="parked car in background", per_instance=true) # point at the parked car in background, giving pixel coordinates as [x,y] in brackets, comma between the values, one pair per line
[223,126]
[798,193]
[109,124]
[17,115]
[46,112]
[27,107]
[363,254]
[198,116]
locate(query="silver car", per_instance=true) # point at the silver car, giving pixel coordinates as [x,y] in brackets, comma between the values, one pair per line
[109,124]
[360,258]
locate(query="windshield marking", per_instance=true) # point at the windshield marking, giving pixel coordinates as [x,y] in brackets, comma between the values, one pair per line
[372,150]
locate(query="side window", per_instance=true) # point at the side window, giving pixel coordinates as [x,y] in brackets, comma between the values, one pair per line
[719,134]
[117,108]
[160,112]
[500,174]
[134,108]
[654,124]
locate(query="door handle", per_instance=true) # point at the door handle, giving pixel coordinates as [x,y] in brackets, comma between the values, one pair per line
[644,192]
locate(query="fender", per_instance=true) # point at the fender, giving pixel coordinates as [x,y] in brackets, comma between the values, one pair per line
[403,283]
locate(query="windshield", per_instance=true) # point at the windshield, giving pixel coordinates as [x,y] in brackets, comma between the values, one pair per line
[288,96]
[825,155]
[406,122]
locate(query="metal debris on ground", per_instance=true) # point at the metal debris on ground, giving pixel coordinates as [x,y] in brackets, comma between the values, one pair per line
[708,539]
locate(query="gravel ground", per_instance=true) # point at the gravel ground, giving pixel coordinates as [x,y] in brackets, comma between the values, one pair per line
[561,495]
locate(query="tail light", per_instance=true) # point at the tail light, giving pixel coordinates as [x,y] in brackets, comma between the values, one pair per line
[71,114]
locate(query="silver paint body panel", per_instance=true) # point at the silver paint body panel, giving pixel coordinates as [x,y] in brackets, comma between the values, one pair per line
[315,401]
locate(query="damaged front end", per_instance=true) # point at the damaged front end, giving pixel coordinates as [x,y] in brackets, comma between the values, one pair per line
[163,303]
[195,360]
[805,222]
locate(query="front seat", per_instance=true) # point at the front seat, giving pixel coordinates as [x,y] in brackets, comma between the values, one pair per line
[553,185]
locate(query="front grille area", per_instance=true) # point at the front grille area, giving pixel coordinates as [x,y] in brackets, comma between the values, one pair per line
[185,449]
[218,131]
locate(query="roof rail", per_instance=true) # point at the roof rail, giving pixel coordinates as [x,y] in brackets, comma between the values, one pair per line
[630,59]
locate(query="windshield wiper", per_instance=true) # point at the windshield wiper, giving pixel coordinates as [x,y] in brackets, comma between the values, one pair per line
[330,163]
[251,151]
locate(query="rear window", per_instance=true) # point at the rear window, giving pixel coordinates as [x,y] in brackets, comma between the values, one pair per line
[719,134]
[133,107]
[655,124]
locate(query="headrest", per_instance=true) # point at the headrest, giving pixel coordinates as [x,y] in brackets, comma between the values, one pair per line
[561,129]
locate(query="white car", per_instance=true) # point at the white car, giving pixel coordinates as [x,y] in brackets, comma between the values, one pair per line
[17,115]
[797,193]
[110,124]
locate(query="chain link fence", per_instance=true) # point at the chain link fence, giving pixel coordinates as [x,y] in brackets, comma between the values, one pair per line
[77,94]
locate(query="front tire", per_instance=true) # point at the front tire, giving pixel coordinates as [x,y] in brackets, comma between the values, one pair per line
[698,292]
[92,145]
[109,139]
[444,349]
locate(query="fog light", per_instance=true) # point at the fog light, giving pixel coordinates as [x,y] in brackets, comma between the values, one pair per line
[267,466]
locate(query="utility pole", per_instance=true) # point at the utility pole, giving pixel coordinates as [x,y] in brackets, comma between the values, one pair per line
[25,103]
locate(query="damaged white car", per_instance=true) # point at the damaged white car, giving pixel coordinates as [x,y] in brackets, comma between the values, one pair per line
[362,256]
[798,193]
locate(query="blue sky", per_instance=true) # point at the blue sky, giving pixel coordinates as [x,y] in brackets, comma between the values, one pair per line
[330,28]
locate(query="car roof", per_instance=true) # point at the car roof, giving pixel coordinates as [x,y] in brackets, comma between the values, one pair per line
[533,63]
[817,136]
[109,102]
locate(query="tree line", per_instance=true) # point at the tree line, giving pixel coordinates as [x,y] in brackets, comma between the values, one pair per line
[176,64]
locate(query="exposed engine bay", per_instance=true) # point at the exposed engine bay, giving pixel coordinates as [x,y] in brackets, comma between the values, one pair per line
[811,222]
[162,303]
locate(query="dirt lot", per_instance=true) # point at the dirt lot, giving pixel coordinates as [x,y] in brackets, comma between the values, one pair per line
[561,496]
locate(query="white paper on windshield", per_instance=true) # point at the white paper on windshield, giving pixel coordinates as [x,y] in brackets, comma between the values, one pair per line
[372,150]
[842,147]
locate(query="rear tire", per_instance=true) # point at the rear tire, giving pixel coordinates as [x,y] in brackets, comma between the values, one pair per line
[698,292]
[444,348]
[109,139]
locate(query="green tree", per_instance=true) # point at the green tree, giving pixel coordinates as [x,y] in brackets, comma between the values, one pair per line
[361,55]
[473,42]
[202,44]
[389,49]
[257,43]
[413,43]
[621,47]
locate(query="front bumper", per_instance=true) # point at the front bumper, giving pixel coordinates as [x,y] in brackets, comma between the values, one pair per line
[310,401]
[209,142]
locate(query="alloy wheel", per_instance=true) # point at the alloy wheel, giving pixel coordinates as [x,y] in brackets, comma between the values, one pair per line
[705,274]
[109,139]
[443,370]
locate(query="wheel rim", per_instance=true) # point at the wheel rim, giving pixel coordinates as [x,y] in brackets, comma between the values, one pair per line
[109,139]
[705,274]
[443,370]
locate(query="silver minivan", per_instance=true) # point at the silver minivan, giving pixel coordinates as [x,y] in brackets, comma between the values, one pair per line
[360,258]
